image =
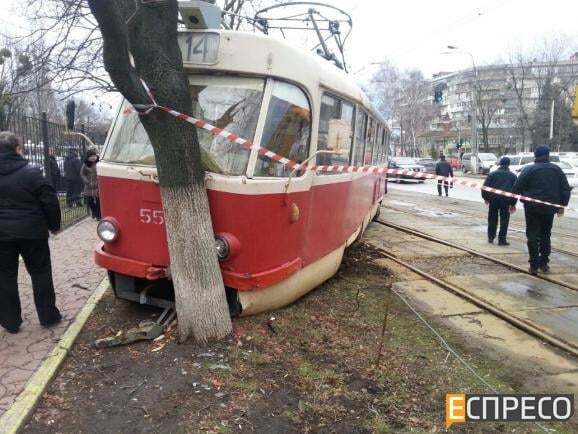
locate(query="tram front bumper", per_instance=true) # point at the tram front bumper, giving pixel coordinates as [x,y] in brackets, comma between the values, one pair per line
[128,267]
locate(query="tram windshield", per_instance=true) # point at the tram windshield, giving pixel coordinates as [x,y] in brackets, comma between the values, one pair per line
[230,103]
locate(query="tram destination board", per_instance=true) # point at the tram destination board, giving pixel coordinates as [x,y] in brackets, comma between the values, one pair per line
[199,47]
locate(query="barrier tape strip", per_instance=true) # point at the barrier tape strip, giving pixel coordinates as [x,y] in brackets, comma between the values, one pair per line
[145,109]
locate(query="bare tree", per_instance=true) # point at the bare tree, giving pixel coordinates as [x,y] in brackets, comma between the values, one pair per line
[15,71]
[491,97]
[146,32]
[384,87]
[403,98]
[532,73]
[415,111]
[74,55]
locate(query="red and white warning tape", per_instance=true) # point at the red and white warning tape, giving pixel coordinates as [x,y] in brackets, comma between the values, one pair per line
[145,109]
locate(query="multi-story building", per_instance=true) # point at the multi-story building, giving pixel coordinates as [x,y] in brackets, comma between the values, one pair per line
[507,101]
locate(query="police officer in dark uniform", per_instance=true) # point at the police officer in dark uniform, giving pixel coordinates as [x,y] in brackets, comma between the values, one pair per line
[443,168]
[545,181]
[29,209]
[500,206]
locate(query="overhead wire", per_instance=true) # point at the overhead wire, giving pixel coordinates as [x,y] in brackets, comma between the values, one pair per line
[414,45]
[444,343]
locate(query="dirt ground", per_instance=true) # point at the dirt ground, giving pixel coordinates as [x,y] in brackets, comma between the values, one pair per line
[313,368]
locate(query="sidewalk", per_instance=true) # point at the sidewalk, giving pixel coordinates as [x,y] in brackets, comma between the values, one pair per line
[75,278]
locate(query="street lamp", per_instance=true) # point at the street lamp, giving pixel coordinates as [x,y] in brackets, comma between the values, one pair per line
[474,116]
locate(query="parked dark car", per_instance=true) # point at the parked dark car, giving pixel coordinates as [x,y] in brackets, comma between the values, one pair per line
[405,163]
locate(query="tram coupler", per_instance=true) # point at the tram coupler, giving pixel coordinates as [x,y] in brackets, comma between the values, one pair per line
[146,331]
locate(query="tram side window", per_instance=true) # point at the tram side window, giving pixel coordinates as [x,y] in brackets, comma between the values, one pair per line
[361,129]
[383,145]
[287,129]
[369,141]
[377,150]
[335,131]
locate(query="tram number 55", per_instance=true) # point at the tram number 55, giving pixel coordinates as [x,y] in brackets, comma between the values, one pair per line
[151,217]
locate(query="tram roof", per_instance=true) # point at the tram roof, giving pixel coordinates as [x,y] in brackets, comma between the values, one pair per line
[268,56]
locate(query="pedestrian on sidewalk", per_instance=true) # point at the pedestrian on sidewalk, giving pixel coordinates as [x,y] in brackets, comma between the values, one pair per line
[55,174]
[72,179]
[545,181]
[500,206]
[88,175]
[29,209]
[443,168]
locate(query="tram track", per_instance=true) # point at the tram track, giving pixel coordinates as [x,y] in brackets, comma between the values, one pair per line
[520,323]
[509,265]
[515,228]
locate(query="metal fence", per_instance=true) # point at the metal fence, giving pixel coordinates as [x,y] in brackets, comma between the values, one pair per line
[59,156]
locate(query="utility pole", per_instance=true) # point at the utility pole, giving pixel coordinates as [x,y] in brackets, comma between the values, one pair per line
[552,121]
[475,123]
[575,108]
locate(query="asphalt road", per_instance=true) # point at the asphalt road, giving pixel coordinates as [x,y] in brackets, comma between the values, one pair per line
[466,193]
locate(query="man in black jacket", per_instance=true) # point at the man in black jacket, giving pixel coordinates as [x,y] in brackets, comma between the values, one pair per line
[29,209]
[443,168]
[72,179]
[500,206]
[547,182]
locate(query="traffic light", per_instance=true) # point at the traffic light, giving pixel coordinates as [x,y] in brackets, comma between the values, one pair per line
[438,97]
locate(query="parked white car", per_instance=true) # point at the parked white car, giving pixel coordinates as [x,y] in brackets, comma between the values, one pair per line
[519,161]
[405,163]
[485,162]
[570,171]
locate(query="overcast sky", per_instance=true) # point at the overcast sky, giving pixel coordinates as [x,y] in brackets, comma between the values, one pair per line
[414,33]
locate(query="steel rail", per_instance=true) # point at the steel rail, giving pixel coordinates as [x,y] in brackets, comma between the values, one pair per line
[519,323]
[483,216]
[518,229]
[476,253]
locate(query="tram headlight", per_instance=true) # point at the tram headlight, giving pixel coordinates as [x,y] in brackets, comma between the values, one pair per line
[107,231]
[222,247]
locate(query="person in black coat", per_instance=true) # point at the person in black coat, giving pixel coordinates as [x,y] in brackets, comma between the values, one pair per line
[500,206]
[29,210]
[544,181]
[55,174]
[74,184]
[443,168]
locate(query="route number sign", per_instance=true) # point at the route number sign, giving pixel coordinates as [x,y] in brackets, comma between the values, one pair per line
[199,48]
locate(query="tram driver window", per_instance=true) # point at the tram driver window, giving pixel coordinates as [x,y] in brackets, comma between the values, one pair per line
[287,129]
[335,131]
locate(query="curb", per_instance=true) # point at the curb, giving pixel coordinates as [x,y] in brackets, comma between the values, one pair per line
[20,411]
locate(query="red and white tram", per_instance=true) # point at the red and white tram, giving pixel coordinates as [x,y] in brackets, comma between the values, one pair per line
[279,234]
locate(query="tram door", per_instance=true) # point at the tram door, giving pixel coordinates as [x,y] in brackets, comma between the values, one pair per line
[331,212]
[285,130]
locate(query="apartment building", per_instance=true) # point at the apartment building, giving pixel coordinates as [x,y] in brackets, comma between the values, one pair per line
[507,98]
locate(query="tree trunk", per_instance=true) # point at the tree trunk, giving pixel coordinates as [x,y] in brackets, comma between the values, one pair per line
[199,290]
[149,34]
[485,139]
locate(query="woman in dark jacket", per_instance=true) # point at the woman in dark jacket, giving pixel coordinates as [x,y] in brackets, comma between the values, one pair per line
[29,209]
[88,175]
